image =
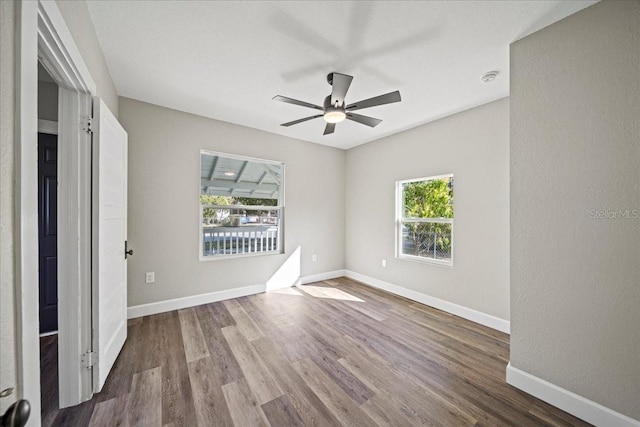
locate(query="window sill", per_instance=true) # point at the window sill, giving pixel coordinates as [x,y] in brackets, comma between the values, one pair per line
[424,260]
[245,255]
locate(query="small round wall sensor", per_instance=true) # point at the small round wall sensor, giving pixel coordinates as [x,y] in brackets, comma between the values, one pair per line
[490,76]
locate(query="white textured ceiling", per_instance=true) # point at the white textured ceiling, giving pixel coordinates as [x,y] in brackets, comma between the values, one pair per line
[227,60]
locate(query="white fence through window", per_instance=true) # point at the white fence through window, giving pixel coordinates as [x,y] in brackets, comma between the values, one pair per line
[239,240]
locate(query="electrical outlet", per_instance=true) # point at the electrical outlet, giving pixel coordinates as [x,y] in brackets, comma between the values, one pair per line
[384,263]
[314,258]
[150,277]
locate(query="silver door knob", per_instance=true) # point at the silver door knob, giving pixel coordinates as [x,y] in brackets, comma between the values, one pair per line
[17,414]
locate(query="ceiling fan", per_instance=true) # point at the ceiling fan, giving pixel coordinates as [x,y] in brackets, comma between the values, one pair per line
[335,110]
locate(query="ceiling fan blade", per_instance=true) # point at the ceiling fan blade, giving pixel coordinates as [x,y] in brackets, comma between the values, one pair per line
[329,128]
[365,120]
[387,98]
[296,102]
[295,122]
[341,83]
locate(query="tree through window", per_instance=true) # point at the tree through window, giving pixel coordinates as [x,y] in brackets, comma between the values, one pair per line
[425,219]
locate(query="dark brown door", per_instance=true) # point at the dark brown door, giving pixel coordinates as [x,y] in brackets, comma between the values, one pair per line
[48,230]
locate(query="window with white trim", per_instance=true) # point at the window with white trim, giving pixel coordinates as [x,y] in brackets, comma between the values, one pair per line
[424,219]
[241,206]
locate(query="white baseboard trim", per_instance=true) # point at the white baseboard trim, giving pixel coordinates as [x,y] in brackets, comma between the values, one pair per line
[194,300]
[191,301]
[458,310]
[568,401]
[322,276]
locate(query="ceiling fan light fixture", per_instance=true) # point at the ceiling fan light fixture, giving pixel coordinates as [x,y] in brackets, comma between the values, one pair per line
[334,108]
[334,115]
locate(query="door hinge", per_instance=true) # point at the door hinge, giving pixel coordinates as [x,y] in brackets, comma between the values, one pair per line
[89,359]
[87,126]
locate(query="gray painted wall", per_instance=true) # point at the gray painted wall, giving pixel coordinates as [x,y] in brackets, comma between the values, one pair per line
[47,101]
[575,153]
[474,146]
[164,186]
[47,96]
[7,170]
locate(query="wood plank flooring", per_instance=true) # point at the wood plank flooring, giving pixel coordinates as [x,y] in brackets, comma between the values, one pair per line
[326,354]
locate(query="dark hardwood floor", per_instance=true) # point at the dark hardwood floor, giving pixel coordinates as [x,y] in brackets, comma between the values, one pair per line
[331,353]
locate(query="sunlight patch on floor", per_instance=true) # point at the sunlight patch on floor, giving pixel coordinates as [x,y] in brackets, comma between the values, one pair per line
[329,293]
[286,291]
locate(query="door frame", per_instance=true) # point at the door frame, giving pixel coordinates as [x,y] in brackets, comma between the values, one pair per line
[43,35]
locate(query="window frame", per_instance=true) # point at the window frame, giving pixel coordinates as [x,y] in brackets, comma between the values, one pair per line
[400,219]
[280,208]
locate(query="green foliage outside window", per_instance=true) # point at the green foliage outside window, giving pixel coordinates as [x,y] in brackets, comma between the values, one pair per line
[429,199]
[209,214]
[248,201]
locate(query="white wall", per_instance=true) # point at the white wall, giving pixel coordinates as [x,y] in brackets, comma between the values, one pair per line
[7,170]
[474,146]
[164,186]
[575,147]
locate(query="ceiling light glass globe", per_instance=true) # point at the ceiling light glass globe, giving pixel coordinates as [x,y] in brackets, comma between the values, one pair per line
[334,116]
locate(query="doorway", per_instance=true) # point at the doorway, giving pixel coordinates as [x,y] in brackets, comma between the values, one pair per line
[47,202]
[48,243]
[42,35]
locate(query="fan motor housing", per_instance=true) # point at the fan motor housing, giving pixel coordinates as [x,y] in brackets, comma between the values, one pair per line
[328,106]
[330,78]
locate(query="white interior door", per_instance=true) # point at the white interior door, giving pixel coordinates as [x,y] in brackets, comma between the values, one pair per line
[109,233]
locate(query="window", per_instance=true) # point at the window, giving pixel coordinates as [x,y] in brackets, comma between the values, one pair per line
[425,219]
[241,206]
